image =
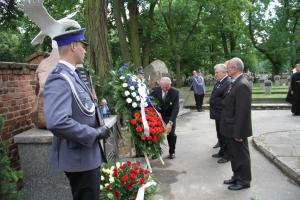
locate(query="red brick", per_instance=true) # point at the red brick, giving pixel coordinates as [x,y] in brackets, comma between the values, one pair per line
[3,110]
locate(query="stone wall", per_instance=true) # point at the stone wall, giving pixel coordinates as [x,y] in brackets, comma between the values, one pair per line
[17,93]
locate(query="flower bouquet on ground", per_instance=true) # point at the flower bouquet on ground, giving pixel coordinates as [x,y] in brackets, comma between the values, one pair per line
[146,125]
[126,181]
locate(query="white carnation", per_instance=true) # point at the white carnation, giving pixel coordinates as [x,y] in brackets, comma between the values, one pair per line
[127,93]
[102,177]
[122,77]
[111,179]
[134,104]
[128,100]
[110,195]
[137,98]
[125,85]
[146,104]
[106,184]
[133,94]
[131,87]
[118,164]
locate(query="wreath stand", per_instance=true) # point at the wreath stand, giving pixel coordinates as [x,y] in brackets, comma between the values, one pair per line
[148,162]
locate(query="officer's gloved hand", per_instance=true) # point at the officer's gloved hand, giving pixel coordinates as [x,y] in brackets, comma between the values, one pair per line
[103,132]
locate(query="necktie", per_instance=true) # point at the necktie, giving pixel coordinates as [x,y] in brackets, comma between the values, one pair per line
[164,94]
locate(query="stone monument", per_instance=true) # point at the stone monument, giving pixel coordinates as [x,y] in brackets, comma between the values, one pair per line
[277,80]
[268,85]
[154,72]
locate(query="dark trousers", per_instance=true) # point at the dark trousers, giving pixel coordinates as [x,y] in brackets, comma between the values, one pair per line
[240,160]
[222,141]
[172,138]
[199,101]
[85,185]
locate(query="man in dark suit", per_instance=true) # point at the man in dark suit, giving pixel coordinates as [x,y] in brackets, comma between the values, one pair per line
[215,102]
[236,125]
[168,98]
[70,115]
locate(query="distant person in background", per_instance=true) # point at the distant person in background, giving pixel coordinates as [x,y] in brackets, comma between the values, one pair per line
[236,125]
[219,91]
[198,87]
[295,91]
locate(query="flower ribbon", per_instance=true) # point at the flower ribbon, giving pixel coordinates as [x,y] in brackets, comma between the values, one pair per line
[142,90]
[141,192]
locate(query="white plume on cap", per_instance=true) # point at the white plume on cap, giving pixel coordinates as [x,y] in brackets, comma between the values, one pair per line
[37,13]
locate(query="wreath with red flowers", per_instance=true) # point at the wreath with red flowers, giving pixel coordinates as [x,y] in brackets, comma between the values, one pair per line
[150,144]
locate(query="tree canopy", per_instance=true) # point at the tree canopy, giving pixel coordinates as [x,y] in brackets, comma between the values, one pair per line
[185,34]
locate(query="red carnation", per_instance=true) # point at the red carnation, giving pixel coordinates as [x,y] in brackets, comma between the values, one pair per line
[149,137]
[124,179]
[108,187]
[154,138]
[138,129]
[117,194]
[140,120]
[133,121]
[152,131]
[128,162]
[132,175]
[142,181]
[137,114]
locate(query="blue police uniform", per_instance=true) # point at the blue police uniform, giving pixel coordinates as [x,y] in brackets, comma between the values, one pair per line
[75,147]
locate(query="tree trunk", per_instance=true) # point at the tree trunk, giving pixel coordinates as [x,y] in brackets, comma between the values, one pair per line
[178,74]
[134,35]
[99,52]
[121,33]
[224,43]
[147,38]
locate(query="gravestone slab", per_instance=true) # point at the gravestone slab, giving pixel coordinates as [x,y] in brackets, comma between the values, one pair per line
[154,72]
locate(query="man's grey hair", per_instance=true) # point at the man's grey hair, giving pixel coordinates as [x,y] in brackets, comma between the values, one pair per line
[221,67]
[238,63]
[165,79]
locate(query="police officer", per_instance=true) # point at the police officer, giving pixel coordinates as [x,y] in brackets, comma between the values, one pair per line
[70,115]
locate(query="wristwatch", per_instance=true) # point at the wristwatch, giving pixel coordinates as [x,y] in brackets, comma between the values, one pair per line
[171,123]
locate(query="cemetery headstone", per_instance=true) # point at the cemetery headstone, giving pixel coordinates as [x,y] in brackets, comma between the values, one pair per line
[268,85]
[277,80]
[154,72]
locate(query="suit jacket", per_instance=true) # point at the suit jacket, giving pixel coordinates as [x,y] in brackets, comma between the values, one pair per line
[74,147]
[236,114]
[217,96]
[169,107]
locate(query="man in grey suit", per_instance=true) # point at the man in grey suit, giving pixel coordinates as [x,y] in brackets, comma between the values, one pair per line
[70,115]
[236,125]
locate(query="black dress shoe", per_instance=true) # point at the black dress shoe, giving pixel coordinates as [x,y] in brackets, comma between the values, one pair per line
[238,186]
[217,145]
[223,160]
[171,156]
[229,181]
[217,155]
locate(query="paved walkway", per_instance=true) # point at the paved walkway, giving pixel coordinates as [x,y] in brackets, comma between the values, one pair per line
[194,174]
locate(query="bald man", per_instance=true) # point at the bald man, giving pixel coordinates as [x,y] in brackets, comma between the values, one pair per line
[168,98]
[236,125]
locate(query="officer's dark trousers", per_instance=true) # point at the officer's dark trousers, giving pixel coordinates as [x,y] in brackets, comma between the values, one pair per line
[199,101]
[172,138]
[85,185]
[240,160]
[222,141]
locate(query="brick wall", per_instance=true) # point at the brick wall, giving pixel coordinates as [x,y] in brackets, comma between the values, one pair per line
[17,93]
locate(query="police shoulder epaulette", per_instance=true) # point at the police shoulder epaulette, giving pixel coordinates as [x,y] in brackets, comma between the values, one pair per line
[57,70]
